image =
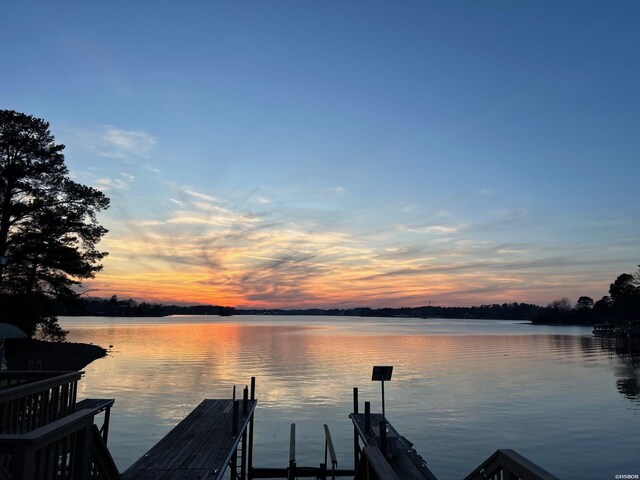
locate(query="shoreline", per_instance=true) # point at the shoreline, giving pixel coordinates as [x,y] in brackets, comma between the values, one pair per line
[52,356]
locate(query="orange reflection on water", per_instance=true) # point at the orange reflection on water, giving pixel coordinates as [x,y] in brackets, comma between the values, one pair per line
[447,390]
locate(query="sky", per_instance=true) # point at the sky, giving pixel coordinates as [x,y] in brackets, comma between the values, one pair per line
[293,154]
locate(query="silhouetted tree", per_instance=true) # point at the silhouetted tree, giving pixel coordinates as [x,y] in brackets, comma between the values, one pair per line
[625,295]
[622,289]
[602,305]
[584,303]
[48,225]
[561,305]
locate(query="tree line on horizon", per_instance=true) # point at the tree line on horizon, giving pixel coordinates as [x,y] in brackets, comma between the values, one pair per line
[622,303]
[131,308]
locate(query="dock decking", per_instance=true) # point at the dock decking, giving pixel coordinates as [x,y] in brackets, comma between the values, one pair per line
[200,446]
[400,454]
[618,329]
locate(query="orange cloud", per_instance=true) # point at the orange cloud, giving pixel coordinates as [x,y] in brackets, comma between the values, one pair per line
[199,249]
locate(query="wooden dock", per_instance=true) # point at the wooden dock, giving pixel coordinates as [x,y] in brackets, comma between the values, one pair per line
[46,433]
[396,449]
[629,329]
[202,445]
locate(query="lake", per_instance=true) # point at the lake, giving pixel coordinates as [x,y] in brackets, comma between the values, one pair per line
[460,389]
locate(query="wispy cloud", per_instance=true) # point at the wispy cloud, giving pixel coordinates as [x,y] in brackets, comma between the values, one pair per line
[134,142]
[203,196]
[200,247]
[439,229]
[112,142]
[121,182]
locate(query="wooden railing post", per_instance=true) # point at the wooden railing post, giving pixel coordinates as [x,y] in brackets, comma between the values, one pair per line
[81,457]
[356,442]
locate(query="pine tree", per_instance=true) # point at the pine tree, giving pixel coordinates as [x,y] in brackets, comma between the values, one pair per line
[48,226]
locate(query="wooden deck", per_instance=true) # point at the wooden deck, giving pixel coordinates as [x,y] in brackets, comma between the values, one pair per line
[402,457]
[200,446]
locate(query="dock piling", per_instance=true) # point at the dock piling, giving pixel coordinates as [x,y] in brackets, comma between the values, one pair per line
[234,418]
[383,437]
[367,418]
[322,474]
[356,443]
[250,447]
[253,388]
[292,453]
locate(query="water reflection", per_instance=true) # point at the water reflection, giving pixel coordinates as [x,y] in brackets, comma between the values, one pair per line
[458,392]
[625,354]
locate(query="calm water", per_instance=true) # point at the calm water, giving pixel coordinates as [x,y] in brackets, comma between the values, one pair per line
[460,388]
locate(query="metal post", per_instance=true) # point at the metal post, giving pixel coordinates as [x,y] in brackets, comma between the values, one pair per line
[383,416]
[243,459]
[325,445]
[328,446]
[250,449]
[234,432]
[292,453]
[356,443]
[234,465]
[245,410]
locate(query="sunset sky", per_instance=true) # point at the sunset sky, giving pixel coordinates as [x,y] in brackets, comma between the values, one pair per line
[343,153]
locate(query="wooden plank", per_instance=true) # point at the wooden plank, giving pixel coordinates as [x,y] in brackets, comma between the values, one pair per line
[200,446]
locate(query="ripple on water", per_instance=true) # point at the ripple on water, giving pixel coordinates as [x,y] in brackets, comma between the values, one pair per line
[460,389]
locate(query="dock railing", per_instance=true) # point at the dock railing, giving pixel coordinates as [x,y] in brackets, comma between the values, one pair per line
[29,400]
[374,466]
[68,448]
[507,464]
[329,449]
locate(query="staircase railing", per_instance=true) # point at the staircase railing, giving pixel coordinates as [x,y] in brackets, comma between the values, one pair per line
[29,400]
[68,448]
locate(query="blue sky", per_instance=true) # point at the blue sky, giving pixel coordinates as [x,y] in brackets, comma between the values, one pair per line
[276,153]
